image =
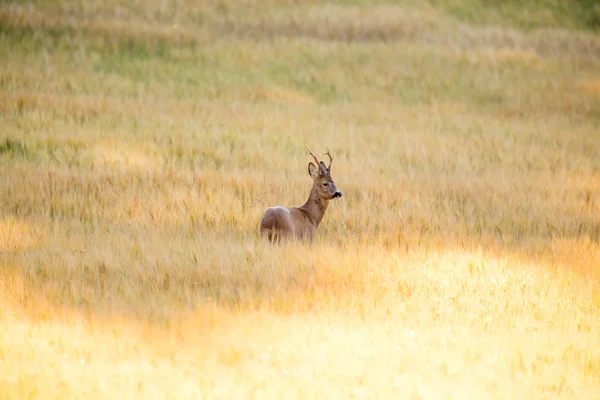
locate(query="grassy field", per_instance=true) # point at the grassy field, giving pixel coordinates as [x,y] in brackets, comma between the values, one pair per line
[140,143]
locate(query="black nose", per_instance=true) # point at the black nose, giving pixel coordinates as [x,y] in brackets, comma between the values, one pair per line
[337,194]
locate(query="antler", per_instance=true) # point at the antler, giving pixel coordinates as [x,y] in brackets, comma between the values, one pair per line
[313,156]
[316,160]
[330,159]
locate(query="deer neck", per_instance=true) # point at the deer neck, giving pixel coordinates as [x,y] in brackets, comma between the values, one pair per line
[315,207]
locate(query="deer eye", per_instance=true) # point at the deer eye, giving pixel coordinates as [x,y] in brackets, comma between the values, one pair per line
[326,184]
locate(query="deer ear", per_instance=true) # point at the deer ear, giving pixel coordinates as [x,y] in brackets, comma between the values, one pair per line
[323,167]
[313,171]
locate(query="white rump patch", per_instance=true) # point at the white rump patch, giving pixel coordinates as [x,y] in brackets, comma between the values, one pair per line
[284,209]
[287,214]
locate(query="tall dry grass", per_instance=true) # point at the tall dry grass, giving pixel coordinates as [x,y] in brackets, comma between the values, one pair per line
[140,144]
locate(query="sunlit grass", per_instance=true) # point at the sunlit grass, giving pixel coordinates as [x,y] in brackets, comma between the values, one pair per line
[140,145]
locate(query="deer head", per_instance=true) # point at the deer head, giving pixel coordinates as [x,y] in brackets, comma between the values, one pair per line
[323,183]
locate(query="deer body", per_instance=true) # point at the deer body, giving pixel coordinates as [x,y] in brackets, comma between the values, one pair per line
[301,222]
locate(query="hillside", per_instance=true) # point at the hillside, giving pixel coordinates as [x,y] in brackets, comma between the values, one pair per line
[140,143]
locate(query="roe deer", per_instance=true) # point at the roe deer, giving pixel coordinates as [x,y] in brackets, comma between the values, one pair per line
[301,222]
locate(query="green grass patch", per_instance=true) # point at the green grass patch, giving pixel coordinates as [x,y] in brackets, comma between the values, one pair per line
[12,148]
[574,14]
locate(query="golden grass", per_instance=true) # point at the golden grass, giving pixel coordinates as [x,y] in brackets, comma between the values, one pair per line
[591,86]
[136,161]
[17,236]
